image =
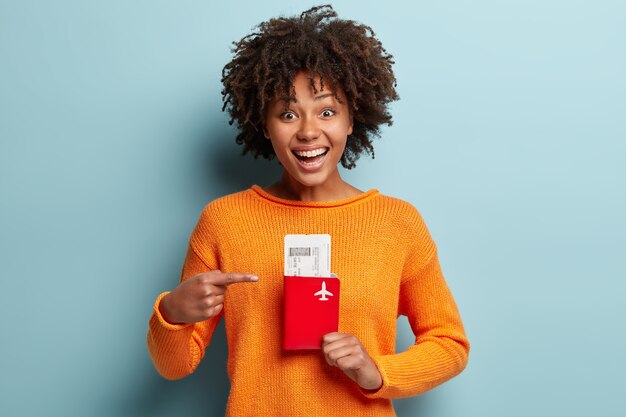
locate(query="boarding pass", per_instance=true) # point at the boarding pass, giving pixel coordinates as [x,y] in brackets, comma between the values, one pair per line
[307,255]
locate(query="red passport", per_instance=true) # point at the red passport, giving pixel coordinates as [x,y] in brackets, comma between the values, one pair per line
[311,311]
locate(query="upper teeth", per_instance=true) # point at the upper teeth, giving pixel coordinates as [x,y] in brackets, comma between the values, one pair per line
[311,154]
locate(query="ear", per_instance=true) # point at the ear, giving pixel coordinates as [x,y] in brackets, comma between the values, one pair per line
[351,125]
[266,133]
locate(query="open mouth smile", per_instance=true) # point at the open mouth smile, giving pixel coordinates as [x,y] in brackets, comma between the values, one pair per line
[311,159]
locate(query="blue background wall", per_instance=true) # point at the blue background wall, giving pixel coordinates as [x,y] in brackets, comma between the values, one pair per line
[510,138]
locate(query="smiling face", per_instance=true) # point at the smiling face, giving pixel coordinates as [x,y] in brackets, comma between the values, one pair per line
[309,133]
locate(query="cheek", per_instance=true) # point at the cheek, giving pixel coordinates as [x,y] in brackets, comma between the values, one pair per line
[342,147]
[278,137]
[280,148]
[341,138]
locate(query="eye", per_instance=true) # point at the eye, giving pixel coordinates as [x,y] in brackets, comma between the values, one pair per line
[288,115]
[327,113]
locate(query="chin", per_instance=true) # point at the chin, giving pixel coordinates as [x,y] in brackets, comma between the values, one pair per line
[310,181]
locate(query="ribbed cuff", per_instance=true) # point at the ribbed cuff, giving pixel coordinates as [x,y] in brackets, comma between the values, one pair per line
[418,370]
[161,320]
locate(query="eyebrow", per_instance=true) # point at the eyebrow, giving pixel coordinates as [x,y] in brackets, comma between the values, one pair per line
[323,96]
[317,98]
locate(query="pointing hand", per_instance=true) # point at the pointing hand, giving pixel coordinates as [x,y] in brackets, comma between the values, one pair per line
[200,297]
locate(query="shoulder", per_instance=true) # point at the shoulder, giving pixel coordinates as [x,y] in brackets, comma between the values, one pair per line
[218,218]
[409,225]
[229,200]
[226,204]
[401,211]
[221,212]
[396,203]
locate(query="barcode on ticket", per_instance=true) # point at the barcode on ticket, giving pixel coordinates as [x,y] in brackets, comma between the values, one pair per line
[299,251]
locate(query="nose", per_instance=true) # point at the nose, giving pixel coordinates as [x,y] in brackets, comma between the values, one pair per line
[309,130]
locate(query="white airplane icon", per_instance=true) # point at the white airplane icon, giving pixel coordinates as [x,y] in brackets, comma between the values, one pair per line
[323,292]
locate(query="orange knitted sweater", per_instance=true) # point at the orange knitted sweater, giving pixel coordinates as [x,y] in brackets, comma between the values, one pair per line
[387,264]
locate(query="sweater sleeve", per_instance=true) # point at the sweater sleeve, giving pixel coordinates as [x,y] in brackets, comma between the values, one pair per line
[177,349]
[441,348]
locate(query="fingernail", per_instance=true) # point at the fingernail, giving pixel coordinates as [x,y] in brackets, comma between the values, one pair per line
[254,278]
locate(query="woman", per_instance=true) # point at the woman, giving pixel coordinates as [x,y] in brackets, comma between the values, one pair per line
[311,91]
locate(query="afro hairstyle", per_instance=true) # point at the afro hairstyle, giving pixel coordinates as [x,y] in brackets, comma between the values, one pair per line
[343,53]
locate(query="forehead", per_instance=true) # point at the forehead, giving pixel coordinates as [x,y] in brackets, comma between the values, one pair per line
[304,87]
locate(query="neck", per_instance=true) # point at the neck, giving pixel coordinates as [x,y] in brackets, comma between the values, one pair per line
[333,189]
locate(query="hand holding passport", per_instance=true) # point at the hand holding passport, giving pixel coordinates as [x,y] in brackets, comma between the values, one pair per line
[311,292]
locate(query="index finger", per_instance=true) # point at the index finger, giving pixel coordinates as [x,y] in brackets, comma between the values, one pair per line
[233,278]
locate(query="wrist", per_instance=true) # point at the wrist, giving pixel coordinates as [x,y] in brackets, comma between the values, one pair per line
[373,385]
[372,381]
[165,308]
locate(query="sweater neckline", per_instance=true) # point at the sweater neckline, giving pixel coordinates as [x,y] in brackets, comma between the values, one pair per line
[260,192]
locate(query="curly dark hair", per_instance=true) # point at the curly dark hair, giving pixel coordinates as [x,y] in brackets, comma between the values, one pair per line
[343,53]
